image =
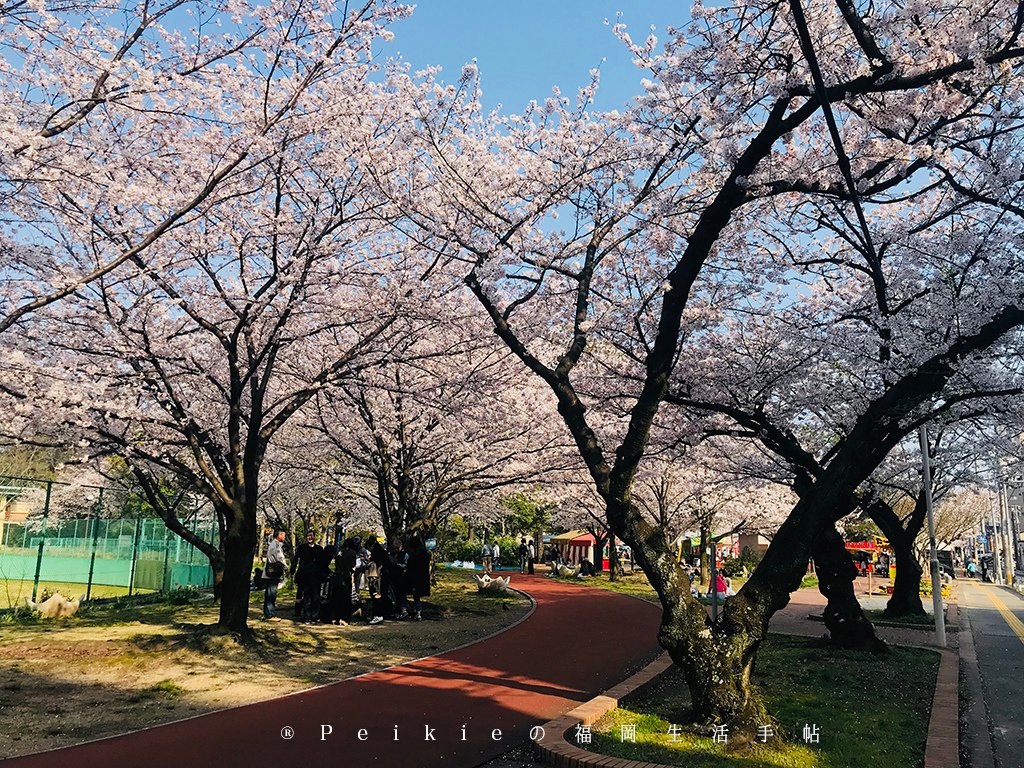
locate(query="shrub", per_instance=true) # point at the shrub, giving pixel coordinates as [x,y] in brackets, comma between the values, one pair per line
[183,595]
[742,565]
[509,550]
[21,614]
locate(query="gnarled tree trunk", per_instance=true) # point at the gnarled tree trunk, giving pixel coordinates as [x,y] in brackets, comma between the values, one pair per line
[847,625]
[906,589]
[906,592]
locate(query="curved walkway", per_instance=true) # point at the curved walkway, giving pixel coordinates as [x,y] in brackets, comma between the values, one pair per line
[456,709]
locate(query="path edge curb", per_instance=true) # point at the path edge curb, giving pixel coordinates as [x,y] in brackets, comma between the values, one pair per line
[942,750]
[942,747]
[556,751]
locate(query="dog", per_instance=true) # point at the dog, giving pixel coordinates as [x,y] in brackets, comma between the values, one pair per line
[56,606]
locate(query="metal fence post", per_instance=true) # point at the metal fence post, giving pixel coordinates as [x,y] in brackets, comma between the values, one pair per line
[135,554]
[42,540]
[95,538]
[165,580]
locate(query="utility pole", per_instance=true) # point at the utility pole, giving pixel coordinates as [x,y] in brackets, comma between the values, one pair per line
[997,573]
[1009,559]
[1015,539]
[926,478]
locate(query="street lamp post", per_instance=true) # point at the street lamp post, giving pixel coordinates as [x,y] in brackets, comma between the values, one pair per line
[940,619]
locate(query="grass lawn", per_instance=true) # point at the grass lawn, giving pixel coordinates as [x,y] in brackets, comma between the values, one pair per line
[869,710]
[917,620]
[13,593]
[635,584]
[809,581]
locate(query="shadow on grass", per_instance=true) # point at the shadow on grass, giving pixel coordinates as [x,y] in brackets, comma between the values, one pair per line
[186,635]
[865,709]
[52,713]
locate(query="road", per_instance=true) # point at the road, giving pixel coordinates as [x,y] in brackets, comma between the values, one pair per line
[997,626]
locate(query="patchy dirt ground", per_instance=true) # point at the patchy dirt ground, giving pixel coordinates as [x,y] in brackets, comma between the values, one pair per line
[114,670]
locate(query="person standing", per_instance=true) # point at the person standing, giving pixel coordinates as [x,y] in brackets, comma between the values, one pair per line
[399,565]
[305,573]
[531,554]
[381,564]
[418,575]
[524,553]
[342,587]
[273,575]
[485,554]
[495,556]
[315,606]
[720,586]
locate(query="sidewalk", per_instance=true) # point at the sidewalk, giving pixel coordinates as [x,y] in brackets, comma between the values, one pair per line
[994,669]
[460,708]
[793,620]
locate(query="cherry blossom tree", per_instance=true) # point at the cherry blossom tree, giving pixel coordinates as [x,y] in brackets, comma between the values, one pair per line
[603,247]
[192,364]
[958,514]
[302,488]
[120,123]
[445,431]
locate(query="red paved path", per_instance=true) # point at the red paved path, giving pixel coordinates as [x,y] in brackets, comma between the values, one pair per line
[578,642]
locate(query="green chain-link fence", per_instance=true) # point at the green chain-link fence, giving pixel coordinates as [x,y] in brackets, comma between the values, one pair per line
[91,541]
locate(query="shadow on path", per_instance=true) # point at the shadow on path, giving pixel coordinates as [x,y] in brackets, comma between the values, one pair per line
[456,709]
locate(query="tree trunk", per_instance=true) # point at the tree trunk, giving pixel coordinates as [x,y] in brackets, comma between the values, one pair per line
[717,661]
[906,590]
[846,622]
[704,565]
[239,549]
[599,539]
[217,566]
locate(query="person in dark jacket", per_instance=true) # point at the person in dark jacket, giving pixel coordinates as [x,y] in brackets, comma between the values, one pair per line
[305,569]
[340,602]
[417,581]
[320,600]
[399,564]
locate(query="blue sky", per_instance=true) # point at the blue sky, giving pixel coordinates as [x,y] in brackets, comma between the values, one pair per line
[523,48]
